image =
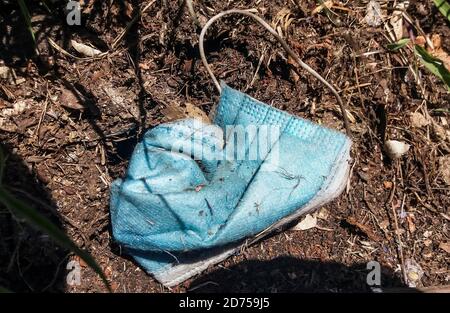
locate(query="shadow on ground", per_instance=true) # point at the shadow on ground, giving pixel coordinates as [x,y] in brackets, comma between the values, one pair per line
[289,274]
[29,260]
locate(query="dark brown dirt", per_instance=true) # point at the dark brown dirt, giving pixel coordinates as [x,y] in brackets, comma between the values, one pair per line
[80,121]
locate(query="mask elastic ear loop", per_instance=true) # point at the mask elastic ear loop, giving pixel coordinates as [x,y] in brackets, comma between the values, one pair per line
[286,47]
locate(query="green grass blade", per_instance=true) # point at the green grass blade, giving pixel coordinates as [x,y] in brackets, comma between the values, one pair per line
[2,164]
[441,110]
[27,18]
[443,7]
[46,6]
[4,290]
[398,45]
[43,224]
[433,64]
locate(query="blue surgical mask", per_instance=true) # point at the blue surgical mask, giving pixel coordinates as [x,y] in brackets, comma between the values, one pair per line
[195,192]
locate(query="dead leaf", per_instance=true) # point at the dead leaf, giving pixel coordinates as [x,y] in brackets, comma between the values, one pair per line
[195,112]
[445,246]
[325,5]
[144,66]
[84,49]
[80,261]
[444,168]
[307,223]
[411,225]
[418,120]
[396,19]
[172,113]
[384,224]
[10,75]
[363,228]
[114,286]
[4,72]
[7,115]
[438,51]
[374,15]
[445,216]
[69,100]
[19,81]
[439,132]
[18,107]
[88,7]
[9,95]
[395,149]
[108,271]
[128,9]
[282,21]
[421,41]
[436,40]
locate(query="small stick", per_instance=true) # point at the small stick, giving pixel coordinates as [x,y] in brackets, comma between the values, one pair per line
[135,18]
[7,92]
[261,59]
[191,10]
[42,117]
[64,52]
[357,80]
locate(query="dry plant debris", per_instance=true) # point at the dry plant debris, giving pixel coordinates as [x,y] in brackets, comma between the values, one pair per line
[69,123]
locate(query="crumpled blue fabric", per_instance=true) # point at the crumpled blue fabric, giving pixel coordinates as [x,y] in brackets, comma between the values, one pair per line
[186,193]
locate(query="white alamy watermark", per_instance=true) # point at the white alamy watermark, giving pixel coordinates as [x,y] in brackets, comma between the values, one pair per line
[205,142]
[73,277]
[373,278]
[73,13]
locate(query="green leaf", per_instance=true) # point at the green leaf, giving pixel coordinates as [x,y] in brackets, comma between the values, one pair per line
[43,224]
[441,110]
[433,64]
[443,7]
[27,17]
[398,45]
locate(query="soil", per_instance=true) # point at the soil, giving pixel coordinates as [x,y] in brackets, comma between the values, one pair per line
[69,127]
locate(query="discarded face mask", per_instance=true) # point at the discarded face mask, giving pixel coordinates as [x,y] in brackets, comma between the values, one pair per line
[194,193]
